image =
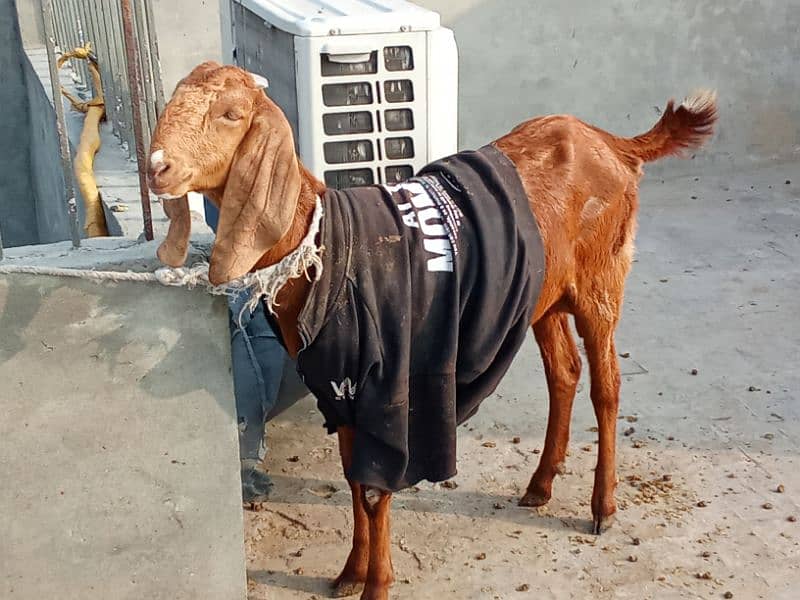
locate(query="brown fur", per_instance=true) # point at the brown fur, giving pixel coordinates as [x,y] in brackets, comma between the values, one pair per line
[582,185]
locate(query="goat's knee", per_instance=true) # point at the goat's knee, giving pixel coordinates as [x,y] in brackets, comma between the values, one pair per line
[372,498]
[372,495]
[569,372]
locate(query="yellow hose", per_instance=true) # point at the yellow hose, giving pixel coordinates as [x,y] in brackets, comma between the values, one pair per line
[89,143]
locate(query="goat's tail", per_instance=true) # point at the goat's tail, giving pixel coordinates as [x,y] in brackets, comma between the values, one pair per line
[684,128]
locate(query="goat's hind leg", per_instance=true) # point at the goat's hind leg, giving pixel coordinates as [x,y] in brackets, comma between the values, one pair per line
[562,365]
[354,574]
[597,331]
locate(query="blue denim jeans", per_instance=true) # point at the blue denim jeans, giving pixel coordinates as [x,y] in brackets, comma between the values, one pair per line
[258,363]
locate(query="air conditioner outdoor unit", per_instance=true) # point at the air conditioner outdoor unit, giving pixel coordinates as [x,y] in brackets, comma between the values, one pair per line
[369,86]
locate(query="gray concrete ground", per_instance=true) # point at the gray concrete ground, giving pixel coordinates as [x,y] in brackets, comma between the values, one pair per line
[118,443]
[715,288]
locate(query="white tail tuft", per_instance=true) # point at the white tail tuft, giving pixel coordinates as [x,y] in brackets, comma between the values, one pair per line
[700,100]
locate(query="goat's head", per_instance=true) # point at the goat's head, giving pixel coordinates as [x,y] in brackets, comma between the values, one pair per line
[221,134]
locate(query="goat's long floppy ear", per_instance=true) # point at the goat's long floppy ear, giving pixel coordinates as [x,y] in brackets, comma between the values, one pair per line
[260,196]
[175,247]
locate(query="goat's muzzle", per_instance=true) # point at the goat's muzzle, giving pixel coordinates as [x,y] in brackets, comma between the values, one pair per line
[163,177]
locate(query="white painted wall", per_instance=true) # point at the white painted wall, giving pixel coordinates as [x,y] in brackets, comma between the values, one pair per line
[188,33]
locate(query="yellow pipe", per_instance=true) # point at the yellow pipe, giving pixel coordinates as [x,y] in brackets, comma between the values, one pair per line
[89,144]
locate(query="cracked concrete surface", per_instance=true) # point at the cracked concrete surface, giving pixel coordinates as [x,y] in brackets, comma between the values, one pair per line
[118,445]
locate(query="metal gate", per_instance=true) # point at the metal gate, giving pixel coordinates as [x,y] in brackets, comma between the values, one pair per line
[122,37]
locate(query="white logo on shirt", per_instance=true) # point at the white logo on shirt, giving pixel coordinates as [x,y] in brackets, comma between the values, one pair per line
[344,390]
[422,213]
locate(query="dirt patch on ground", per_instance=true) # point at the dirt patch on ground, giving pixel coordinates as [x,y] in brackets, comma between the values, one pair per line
[673,536]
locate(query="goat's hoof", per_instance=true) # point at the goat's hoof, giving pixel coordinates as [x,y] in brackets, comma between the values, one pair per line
[346,587]
[534,499]
[376,593]
[601,524]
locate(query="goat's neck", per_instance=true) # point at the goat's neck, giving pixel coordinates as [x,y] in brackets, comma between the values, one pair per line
[292,296]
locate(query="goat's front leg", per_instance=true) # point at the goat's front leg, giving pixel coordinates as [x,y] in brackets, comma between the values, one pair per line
[380,575]
[175,247]
[351,580]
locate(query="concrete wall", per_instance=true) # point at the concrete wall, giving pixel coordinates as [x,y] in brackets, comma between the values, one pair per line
[615,63]
[30,22]
[188,33]
[32,196]
[612,63]
[47,176]
[126,472]
[17,206]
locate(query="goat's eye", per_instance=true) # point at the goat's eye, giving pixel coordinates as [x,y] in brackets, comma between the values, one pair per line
[232,116]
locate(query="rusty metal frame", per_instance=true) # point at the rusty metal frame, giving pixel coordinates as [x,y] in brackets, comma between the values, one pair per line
[135,83]
[123,34]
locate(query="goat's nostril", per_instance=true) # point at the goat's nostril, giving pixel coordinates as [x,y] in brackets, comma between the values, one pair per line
[159,168]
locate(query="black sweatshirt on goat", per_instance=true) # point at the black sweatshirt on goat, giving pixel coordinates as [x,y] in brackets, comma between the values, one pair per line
[427,292]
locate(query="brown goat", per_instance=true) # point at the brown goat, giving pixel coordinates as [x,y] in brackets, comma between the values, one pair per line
[221,135]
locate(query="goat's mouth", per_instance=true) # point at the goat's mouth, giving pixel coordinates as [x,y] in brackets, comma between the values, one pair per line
[168,196]
[170,191]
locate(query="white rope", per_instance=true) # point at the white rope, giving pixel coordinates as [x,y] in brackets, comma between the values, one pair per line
[264,283]
[267,282]
[181,276]
[79,273]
